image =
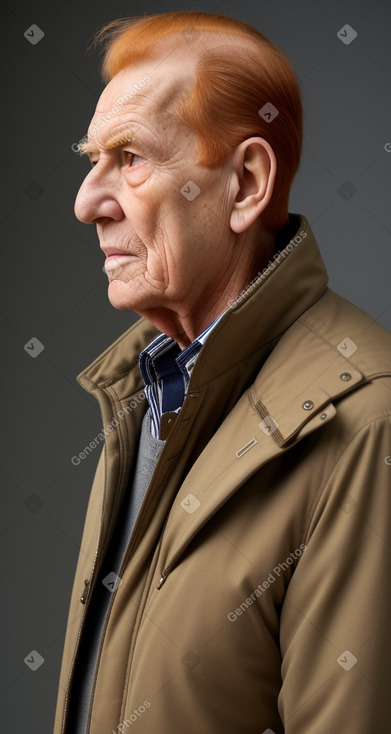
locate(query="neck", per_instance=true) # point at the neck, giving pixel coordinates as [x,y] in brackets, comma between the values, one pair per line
[184,322]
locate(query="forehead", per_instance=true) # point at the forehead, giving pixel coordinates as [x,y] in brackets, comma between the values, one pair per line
[144,92]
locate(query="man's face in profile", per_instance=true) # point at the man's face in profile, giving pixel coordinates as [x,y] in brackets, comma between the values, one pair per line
[162,221]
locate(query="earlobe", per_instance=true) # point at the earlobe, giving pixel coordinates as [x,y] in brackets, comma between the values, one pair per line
[255,169]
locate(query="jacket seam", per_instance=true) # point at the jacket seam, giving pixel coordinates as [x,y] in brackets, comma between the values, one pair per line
[123,446]
[260,348]
[358,366]
[122,434]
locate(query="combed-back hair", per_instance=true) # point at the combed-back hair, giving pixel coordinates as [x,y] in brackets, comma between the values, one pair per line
[233,82]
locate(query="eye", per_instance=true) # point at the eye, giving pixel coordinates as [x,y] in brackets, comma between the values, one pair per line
[132,158]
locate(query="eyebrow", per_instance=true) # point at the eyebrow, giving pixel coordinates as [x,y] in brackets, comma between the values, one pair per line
[124,137]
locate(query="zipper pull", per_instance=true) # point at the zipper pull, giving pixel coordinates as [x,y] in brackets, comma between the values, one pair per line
[163,578]
[84,595]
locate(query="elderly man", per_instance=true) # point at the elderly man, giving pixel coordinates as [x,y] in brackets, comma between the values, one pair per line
[234,568]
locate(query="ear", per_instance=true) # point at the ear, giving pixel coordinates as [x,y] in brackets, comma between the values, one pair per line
[254,173]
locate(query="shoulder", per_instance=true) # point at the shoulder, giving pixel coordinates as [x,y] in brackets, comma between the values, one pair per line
[355,334]
[334,356]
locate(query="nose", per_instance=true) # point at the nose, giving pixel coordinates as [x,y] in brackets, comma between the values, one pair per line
[96,200]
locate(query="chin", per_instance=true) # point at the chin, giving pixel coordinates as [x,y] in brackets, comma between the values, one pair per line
[121,297]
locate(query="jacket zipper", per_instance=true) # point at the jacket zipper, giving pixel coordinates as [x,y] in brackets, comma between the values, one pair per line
[163,578]
[101,643]
[85,595]
[86,591]
[106,618]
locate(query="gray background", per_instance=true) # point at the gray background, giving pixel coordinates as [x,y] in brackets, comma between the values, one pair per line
[53,287]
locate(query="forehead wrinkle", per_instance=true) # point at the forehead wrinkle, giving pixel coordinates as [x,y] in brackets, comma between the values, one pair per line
[160,101]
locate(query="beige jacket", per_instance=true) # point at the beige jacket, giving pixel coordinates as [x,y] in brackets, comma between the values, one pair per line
[255,594]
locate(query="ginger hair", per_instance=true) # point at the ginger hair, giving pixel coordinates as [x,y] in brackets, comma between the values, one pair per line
[238,70]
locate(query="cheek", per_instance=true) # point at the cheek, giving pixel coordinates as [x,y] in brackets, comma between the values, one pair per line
[177,230]
[143,207]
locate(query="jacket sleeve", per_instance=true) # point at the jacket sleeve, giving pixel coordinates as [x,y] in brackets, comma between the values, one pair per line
[336,617]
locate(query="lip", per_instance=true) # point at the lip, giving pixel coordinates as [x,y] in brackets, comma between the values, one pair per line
[120,256]
[111,252]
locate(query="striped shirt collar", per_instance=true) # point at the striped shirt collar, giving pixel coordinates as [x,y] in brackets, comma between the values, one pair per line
[166,371]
